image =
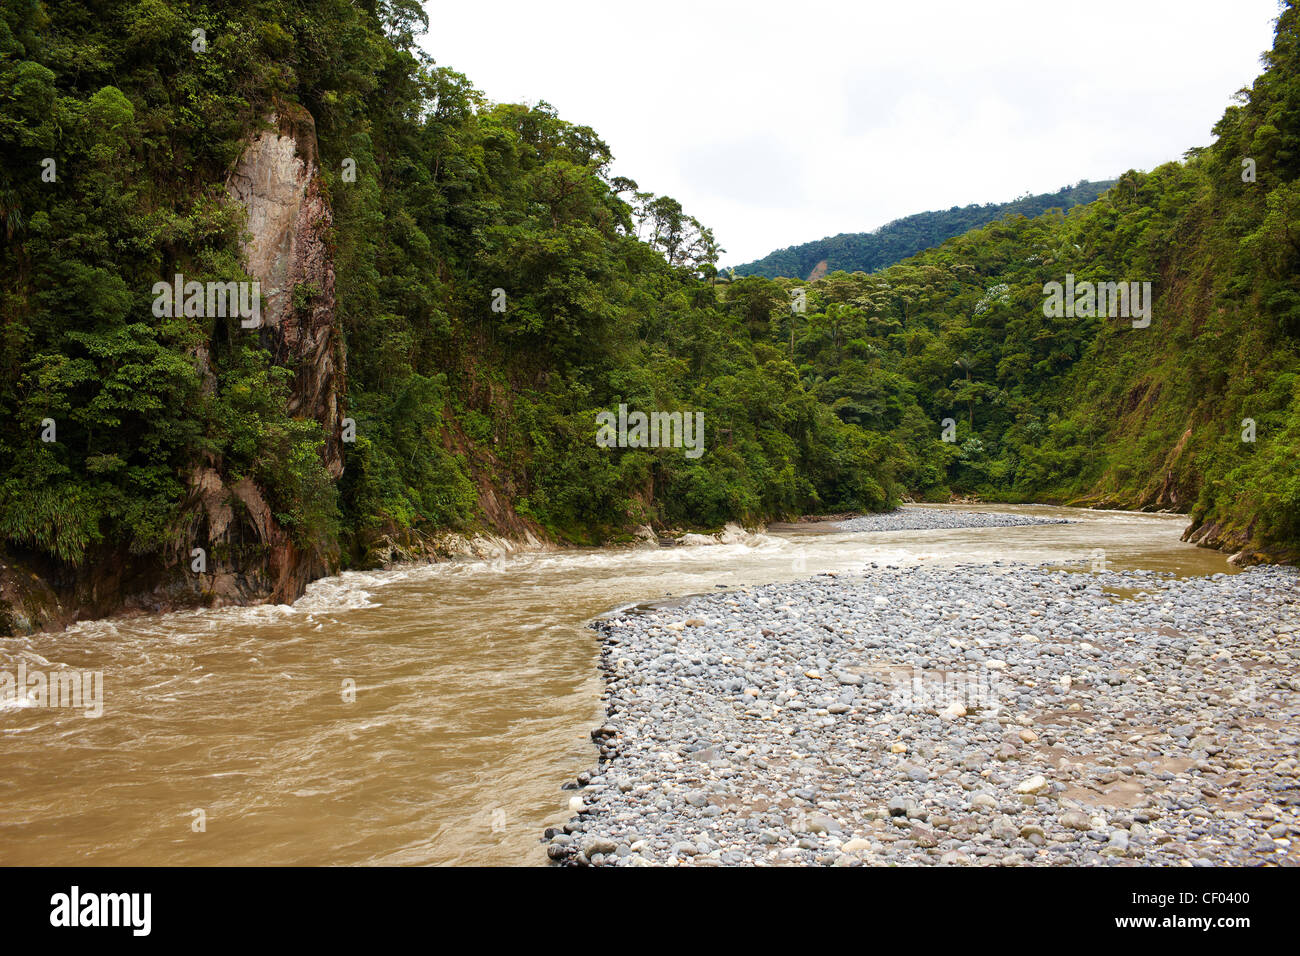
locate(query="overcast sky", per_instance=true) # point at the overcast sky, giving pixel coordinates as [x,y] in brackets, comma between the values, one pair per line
[778,123]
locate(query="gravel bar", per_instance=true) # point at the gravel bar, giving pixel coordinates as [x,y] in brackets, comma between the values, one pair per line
[927,519]
[980,715]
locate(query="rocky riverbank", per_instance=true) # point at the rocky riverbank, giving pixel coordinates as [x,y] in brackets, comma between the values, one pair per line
[977,715]
[926,519]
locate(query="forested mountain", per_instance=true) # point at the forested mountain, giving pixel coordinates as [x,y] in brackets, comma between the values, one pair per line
[895,241]
[452,290]
[1194,407]
[459,280]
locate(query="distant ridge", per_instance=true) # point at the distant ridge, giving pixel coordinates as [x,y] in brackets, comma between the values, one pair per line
[895,241]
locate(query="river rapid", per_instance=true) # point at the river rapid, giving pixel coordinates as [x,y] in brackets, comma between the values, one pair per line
[425,714]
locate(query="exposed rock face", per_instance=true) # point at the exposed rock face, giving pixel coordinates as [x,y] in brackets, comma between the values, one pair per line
[1167,496]
[278,182]
[248,556]
[27,601]
[1240,542]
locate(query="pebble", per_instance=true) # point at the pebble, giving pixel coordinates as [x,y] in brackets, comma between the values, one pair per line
[926,519]
[1000,714]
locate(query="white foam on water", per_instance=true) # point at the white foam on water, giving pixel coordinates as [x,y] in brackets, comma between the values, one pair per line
[17,703]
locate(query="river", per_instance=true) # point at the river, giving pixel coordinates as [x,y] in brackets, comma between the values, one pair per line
[420,715]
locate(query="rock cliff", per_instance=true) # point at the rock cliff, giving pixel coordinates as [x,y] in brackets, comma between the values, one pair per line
[249,556]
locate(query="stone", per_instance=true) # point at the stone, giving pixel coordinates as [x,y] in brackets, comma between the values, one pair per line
[1032,785]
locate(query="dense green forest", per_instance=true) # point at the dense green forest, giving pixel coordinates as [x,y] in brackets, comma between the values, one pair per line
[897,240]
[1198,411]
[492,297]
[454,403]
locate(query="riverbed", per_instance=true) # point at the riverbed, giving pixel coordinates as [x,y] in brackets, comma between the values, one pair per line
[994,714]
[422,715]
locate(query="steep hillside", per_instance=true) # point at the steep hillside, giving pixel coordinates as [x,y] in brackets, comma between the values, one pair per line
[280,296]
[1188,400]
[447,293]
[896,241]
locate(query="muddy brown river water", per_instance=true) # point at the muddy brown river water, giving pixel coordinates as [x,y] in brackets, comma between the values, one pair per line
[228,737]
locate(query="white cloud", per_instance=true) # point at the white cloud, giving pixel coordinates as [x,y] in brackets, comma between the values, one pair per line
[777,123]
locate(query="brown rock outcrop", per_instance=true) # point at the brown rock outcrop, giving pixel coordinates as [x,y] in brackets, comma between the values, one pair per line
[248,556]
[278,183]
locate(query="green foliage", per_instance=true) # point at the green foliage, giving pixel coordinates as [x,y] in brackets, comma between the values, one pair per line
[902,238]
[1090,409]
[611,296]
